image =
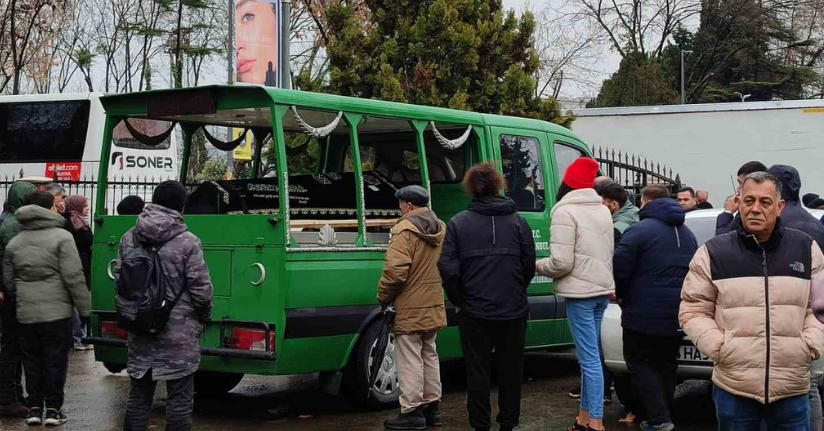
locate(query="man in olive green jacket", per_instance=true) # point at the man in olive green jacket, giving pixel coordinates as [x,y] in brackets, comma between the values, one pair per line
[11,370]
[412,282]
[42,269]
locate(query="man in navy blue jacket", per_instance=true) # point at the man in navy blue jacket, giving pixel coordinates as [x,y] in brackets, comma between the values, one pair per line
[650,265]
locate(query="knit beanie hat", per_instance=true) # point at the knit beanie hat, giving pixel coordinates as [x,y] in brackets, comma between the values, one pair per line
[581,173]
[130,205]
[170,194]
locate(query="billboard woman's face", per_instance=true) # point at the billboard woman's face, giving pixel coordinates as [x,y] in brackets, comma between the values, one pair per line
[257,45]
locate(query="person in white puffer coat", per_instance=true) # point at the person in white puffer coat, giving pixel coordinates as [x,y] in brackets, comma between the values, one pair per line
[581,249]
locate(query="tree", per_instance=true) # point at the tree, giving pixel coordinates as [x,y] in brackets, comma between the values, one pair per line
[27,27]
[639,81]
[569,52]
[214,169]
[744,47]
[635,26]
[462,54]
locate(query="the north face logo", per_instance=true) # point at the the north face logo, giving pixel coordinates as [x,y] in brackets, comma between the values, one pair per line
[797,266]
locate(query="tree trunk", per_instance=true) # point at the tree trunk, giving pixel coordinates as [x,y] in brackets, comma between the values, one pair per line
[179,47]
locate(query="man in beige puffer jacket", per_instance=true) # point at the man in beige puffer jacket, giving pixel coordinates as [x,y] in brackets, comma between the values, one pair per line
[746,305]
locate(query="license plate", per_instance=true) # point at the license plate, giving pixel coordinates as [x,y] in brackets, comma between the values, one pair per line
[692,354]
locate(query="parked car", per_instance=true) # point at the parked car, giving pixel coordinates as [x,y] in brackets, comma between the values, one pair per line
[692,364]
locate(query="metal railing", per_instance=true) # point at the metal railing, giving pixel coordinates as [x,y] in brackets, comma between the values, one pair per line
[634,172]
[631,171]
[116,189]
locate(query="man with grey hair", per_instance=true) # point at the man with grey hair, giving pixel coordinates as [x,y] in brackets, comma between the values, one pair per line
[746,304]
[411,282]
[59,193]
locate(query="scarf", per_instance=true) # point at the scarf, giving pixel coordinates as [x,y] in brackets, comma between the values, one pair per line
[74,206]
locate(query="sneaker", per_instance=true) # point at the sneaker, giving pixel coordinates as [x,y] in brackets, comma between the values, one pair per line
[413,420]
[646,426]
[15,410]
[575,393]
[432,414]
[35,417]
[55,418]
[84,347]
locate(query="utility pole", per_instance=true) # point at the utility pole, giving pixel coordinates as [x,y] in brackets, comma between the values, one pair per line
[230,51]
[683,88]
[285,42]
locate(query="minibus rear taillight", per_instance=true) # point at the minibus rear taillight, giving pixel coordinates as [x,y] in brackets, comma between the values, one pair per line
[109,329]
[252,339]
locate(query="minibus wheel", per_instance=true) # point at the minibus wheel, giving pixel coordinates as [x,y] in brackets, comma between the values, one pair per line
[210,384]
[385,392]
[114,368]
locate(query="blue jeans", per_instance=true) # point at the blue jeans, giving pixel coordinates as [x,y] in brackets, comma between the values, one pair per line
[585,316]
[78,330]
[737,413]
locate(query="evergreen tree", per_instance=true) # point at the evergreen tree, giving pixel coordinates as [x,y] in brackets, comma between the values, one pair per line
[639,81]
[741,46]
[461,54]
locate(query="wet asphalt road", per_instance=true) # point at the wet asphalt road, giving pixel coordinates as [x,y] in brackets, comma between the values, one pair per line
[96,401]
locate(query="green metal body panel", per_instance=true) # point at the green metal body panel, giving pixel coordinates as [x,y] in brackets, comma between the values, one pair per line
[317,300]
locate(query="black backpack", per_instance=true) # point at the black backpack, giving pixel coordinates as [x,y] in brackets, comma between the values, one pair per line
[141,302]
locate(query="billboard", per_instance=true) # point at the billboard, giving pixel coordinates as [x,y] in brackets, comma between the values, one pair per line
[257,38]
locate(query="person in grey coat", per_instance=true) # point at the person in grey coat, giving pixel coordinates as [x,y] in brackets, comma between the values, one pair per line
[174,354]
[42,270]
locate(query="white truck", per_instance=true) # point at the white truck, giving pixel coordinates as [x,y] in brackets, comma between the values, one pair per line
[706,144]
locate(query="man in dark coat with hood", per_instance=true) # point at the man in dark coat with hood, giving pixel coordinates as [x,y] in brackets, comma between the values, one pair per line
[173,355]
[11,370]
[795,216]
[650,265]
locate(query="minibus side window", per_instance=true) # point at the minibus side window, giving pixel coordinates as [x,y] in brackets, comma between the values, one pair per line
[123,138]
[322,192]
[523,171]
[564,156]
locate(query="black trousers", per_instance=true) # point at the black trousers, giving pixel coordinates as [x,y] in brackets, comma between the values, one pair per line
[653,366]
[485,341]
[179,404]
[11,367]
[45,348]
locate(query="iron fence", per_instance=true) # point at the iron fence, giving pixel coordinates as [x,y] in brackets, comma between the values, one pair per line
[635,173]
[631,171]
[116,189]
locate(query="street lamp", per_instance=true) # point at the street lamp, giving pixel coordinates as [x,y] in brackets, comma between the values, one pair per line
[683,89]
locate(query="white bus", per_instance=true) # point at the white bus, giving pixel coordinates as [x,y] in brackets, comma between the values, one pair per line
[59,136]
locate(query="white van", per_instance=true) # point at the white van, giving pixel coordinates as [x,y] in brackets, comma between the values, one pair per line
[60,136]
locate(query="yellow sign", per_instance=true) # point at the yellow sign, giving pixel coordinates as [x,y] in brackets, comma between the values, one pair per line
[814,110]
[244,150]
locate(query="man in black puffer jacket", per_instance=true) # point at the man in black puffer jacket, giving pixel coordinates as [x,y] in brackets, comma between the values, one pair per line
[487,262]
[650,265]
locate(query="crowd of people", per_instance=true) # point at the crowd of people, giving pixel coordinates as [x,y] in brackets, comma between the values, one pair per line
[743,297]
[45,250]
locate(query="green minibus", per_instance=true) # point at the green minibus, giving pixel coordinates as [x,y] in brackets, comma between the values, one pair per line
[295,243]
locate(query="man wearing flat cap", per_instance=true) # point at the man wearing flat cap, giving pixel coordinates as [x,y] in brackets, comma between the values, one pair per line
[412,282]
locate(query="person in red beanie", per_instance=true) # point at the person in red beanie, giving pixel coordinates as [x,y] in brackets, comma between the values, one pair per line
[580,262]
